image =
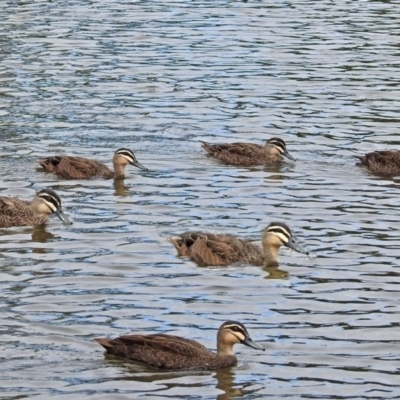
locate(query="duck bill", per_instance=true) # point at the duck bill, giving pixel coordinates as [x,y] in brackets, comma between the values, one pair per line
[136,163]
[292,244]
[254,345]
[288,155]
[64,217]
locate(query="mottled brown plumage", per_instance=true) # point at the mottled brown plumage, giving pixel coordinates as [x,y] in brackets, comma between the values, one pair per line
[383,163]
[17,212]
[249,154]
[177,353]
[207,249]
[84,168]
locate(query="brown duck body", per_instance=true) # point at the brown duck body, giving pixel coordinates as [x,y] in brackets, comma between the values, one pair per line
[84,168]
[238,153]
[17,212]
[177,353]
[249,154]
[206,249]
[166,352]
[76,167]
[383,163]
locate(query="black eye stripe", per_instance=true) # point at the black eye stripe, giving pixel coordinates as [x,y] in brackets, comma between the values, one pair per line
[50,196]
[236,328]
[50,199]
[280,145]
[278,229]
[126,153]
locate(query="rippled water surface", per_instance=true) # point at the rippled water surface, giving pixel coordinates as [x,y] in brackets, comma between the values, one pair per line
[86,78]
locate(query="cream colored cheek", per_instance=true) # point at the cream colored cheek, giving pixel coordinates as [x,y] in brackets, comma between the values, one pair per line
[123,161]
[232,339]
[273,241]
[282,238]
[44,209]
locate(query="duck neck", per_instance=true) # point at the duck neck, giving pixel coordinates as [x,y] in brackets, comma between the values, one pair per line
[119,170]
[271,152]
[271,255]
[37,208]
[224,350]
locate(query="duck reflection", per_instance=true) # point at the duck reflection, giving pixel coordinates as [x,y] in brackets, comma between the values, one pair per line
[41,235]
[276,273]
[120,188]
[175,379]
[226,383]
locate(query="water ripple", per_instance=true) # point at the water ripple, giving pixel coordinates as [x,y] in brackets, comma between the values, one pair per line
[87,78]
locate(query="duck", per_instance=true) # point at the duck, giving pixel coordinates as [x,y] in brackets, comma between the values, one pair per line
[83,168]
[17,212]
[383,163]
[219,249]
[176,353]
[249,154]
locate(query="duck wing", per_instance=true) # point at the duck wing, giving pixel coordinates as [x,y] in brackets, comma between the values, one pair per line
[207,249]
[13,212]
[159,350]
[237,153]
[384,163]
[75,167]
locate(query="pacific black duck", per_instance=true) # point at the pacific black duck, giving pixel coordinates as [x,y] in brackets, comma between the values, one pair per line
[17,212]
[83,168]
[383,163]
[177,353]
[208,249]
[249,154]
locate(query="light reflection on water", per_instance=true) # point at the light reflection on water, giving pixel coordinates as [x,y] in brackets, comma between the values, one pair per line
[88,78]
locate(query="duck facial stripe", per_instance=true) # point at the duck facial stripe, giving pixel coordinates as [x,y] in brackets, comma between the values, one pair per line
[51,202]
[127,154]
[283,234]
[279,144]
[238,331]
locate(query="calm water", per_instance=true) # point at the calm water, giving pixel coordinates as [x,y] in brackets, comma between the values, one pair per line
[86,78]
